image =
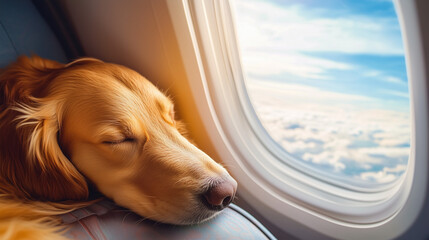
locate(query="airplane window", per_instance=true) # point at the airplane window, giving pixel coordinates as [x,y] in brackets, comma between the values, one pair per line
[328,82]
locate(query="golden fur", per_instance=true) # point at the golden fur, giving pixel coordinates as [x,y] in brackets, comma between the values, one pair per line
[65,128]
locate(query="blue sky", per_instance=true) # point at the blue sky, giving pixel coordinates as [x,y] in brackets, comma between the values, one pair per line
[362,36]
[328,80]
[376,8]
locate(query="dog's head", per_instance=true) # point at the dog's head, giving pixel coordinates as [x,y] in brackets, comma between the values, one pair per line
[64,124]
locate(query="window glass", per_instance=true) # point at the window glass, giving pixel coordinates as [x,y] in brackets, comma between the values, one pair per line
[328,82]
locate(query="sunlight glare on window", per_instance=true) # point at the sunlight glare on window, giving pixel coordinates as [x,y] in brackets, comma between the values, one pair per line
[328,82]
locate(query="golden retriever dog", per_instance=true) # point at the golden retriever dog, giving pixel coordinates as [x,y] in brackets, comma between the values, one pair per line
[68,128]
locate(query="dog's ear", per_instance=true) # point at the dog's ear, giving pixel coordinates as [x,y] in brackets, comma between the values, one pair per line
[26,78]
[30,122]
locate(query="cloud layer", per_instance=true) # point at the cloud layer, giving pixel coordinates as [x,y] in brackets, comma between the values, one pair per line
[330,131]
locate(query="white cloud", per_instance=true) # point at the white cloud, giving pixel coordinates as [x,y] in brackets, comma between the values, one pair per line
[380,177]
[290,62]
[372,73]
[386,175]
[298,93]
[381,76]
[293,28]
[397,93]
[393,80]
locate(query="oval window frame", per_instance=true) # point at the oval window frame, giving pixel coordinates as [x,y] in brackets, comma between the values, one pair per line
[379,214]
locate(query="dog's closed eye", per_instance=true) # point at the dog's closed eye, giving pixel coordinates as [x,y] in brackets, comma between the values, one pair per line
[117,134]
[120,141]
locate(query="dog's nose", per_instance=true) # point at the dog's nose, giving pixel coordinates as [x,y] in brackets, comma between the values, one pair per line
[221,194]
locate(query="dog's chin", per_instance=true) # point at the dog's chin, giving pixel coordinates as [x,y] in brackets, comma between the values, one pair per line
[193,215]
[198,217]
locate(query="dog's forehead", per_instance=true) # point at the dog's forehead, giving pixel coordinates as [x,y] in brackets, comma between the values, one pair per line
[135,83]
[142,87]
[110,91]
